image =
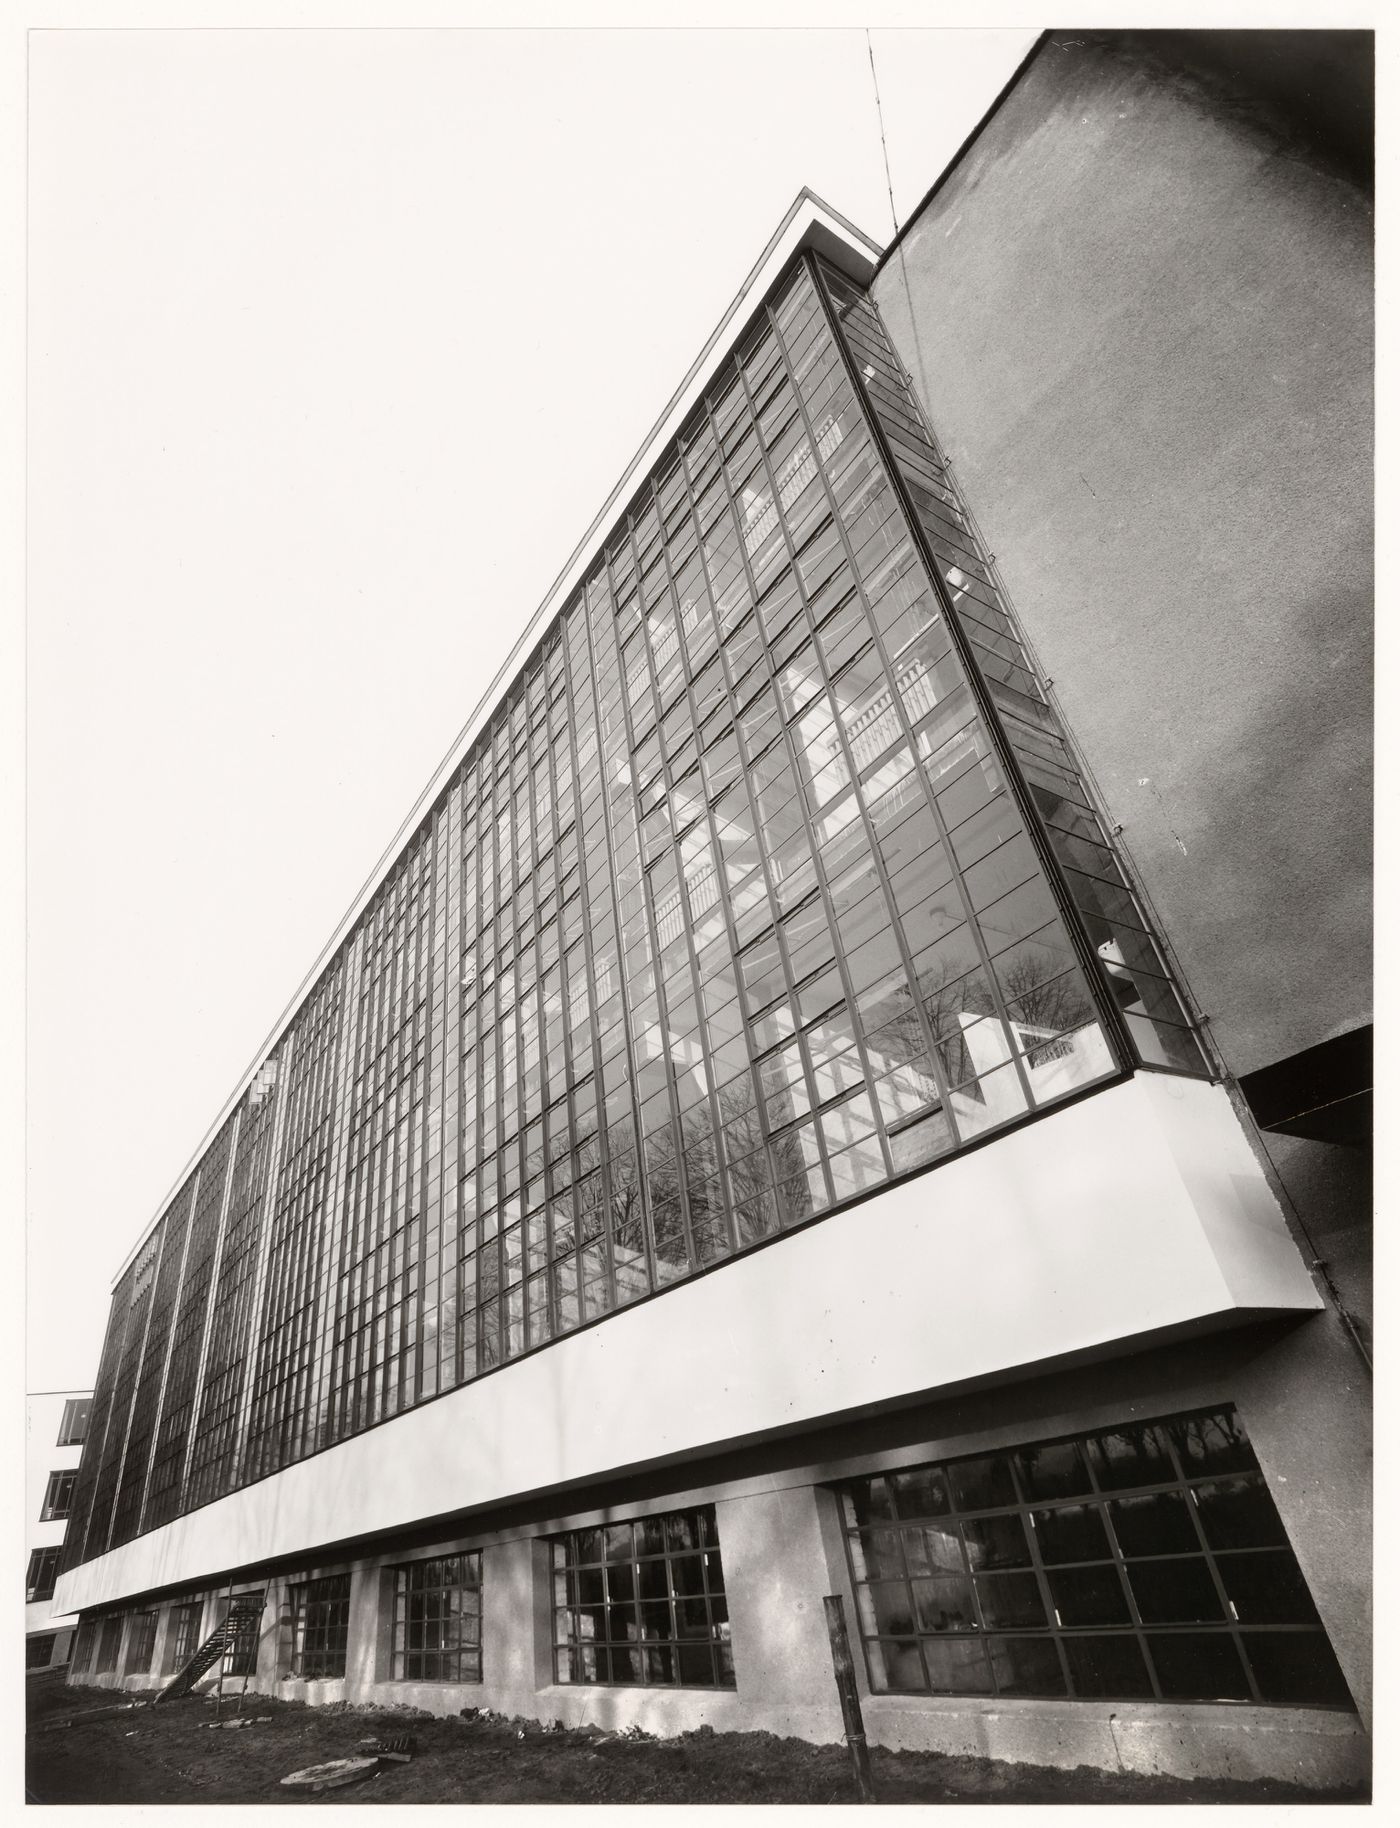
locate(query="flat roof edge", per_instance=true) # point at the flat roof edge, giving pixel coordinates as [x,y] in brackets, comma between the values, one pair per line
[809,223]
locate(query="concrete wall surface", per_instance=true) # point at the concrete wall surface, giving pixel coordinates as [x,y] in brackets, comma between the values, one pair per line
[1135,1210]
[1139,313]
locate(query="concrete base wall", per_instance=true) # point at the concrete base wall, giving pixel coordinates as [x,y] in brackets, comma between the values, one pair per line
[1315,1747]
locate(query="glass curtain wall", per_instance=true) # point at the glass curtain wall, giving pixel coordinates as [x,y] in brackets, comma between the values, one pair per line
[1130,959]
[731,915]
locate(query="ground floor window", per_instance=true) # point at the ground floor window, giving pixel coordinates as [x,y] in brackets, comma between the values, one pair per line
[320,1627]
[1141,1563]
[241,1659]
[184,1632]
[142,1646]
[437,1620]
[38,1651]
[109,1643]
[643,1602]
[84,1644]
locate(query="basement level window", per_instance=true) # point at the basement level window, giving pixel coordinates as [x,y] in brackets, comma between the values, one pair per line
[184,1632]
[320,1627]
[643,1603]
[437,1620]
[109,1644]
[1143,1563]
[141,1648]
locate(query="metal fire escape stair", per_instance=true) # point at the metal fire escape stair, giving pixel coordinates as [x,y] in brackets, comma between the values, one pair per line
[238,1632]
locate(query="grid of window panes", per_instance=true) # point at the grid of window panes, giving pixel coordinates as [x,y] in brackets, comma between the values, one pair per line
[320,1627]
[84,1645]
[72,1430]
[109,1643]
[184,1633]
[643,1602]
[728,916]
[41,1574]
[437,1619]
[212,1437]
[58,1496]
[141,1643]
[1144,1562]
[1114,919]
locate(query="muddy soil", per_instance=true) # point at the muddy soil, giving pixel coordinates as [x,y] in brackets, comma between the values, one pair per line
[172,1755]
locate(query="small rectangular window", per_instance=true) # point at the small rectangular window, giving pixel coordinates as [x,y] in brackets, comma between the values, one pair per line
[109,1644]
[184,1633]
[437,1620]
[320,1628]
[73,1431]
[142,1645]
[643,1602]
[58,1497]
[43,1574]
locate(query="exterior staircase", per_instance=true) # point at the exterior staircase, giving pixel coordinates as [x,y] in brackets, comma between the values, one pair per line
[238,1632]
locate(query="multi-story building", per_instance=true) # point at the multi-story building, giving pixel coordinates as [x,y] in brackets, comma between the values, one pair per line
[55,1429]
[850,1085]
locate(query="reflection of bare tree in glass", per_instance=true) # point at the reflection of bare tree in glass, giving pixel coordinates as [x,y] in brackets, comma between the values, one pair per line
[625,1213]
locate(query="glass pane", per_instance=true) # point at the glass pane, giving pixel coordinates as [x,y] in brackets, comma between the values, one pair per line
[981,1484]
[1198,1666]
[880,1554]
[1131,1456]
[920,1492]
[1010,1600]
[1088,1596]
[933,1551]
[1175,1592]
[1055,1471]
[1110,1668]
[957,1667]
[1238,1513]
[896,1668]
[1026,1666]
[996,1542]
[1297,1667]
[1267,1588]
[1071,1532]
[1213,1443]
[885,1608]
[943,1605]
[1158,1523]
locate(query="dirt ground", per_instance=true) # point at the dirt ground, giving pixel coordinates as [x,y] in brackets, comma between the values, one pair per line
[172,1755]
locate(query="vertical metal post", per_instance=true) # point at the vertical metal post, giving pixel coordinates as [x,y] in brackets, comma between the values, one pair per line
[850,1700]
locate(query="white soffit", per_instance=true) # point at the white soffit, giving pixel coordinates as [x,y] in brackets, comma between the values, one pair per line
[810,223]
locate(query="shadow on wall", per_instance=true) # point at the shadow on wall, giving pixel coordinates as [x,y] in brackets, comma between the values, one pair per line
[1312,91]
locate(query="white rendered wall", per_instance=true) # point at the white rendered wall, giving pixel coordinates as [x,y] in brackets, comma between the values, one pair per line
[1136,1210]
[42,1456]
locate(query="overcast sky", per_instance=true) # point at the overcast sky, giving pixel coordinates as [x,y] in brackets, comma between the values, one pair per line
[337,343]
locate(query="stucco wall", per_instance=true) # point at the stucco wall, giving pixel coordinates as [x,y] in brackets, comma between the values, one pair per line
[1141,324]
